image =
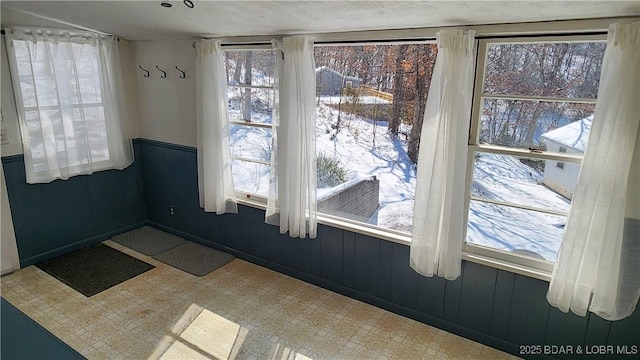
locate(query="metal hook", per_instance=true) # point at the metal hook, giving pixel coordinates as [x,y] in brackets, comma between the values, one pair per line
[145,70]
[164,73]
[183,75]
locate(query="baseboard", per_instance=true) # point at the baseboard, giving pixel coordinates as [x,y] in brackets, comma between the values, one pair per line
[78,245]
[439,323]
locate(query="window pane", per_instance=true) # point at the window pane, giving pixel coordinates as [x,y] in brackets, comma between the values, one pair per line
[250,67]
[251,177]
[88,91]
[370,105]
[552,69]
[524,232]
[525,182]
[28,92]
[250,105]
[96,132]
[250,142]
[46,91]
[535,124]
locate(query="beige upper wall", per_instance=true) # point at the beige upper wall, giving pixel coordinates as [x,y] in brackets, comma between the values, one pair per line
[13,144]
[166,107]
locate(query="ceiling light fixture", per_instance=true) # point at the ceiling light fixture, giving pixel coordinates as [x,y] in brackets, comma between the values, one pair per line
[189,3]
[165,4]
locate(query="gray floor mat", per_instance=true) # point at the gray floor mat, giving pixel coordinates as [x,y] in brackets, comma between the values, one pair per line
[148,240]
[195,259]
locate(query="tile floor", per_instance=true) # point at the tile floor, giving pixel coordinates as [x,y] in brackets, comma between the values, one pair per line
[240,311]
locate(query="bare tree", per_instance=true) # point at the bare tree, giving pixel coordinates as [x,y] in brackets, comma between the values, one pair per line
[246,96]
[398,91]
[424,61]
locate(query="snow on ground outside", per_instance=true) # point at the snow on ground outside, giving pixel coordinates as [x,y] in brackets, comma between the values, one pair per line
[496,177]
[387,160]
[505,178]
[361,100]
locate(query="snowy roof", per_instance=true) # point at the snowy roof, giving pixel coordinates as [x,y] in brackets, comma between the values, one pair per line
[574,135]
[325,68]
[346,77]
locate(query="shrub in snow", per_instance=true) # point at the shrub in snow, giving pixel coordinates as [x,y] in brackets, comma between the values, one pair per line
[329,172]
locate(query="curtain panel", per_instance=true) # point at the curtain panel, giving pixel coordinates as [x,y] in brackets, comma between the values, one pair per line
[292,193]
[215,181]
[439,218]
[70,102]
[598,267]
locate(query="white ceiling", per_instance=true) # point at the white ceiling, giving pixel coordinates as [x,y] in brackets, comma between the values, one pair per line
[147,20]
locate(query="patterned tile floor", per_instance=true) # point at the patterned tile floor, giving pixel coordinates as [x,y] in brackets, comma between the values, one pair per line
[240,311]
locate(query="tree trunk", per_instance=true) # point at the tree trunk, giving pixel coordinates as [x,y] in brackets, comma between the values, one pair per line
[413,147]
[398,84]
[238,70]
[246,97]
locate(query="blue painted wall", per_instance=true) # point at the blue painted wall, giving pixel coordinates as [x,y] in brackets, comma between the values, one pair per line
[495,307]
[55,218]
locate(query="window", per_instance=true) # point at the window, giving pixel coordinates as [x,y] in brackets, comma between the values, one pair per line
[250,79]
[368,99]
[560,164]
[69,117]
[370,106]
[533,107]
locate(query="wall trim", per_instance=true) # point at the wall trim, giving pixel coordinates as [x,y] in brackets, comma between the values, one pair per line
[78,245]
[12,158]
[18,157]
[167,145]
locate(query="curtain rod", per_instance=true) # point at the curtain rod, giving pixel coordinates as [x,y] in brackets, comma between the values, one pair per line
[72,33]
[542,35]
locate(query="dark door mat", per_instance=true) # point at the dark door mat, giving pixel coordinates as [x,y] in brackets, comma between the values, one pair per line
[95,269]
[195,259]
[148,240]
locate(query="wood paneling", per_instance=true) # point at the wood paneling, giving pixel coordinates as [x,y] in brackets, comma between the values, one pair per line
[63,215]
[477,296]
[487,305]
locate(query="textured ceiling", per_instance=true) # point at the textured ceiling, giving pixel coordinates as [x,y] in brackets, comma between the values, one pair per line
[147,20]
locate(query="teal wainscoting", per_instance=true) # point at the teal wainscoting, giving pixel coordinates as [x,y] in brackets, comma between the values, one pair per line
[491,306]
[64,215]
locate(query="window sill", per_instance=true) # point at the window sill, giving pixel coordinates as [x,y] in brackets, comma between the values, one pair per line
[397,237]
[405,239]
[507,266]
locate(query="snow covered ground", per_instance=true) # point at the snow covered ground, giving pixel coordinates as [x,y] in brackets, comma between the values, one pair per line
[505,178]
[364,148]
[361,100]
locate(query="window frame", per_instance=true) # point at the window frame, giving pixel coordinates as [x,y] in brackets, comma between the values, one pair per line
[592,30]
[23,109]
[539,268]
[259,201]
[393,235]
[248,197]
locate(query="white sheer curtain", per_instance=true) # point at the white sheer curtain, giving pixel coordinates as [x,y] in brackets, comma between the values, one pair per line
[292,192]
[439,218]
[215,181]
[599,261]
[70,102]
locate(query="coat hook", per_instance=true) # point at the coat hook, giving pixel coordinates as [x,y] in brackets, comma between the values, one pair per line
[164,73]
[183,75]
[145,70]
